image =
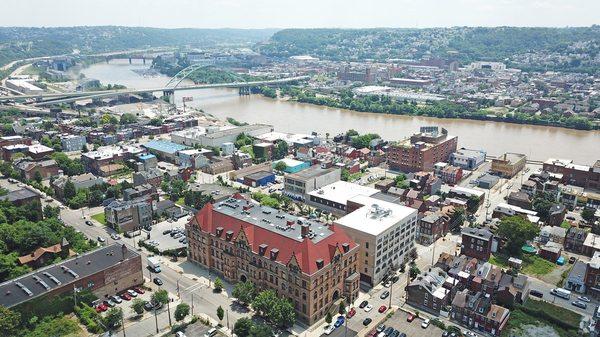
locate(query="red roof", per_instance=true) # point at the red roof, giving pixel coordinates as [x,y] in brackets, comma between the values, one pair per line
[305,251]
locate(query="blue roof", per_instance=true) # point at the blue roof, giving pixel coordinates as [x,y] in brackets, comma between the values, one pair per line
[164,146]
[147,156]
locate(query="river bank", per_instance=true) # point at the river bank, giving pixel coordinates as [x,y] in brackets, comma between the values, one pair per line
[537,142]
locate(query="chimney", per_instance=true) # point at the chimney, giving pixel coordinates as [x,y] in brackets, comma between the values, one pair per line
[123,252]
[304,230]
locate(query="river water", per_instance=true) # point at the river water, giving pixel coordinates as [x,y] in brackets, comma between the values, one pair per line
[537,142]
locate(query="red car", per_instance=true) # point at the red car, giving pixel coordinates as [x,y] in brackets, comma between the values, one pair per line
[382,308]
[410,318]
[351,313]
[139,290]
[126,296]
[101,307]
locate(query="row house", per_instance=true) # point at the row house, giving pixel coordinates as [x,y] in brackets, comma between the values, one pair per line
[477,311]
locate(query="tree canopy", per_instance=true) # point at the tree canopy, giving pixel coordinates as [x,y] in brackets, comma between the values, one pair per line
[516,230]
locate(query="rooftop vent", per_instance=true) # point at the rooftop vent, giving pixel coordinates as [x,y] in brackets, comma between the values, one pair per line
[262,249]
[345,247]
[320,263]
[274,253]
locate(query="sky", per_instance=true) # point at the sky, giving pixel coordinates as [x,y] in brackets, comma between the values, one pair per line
[300,13]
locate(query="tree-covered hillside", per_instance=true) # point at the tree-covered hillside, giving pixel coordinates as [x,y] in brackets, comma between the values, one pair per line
[19,43]
[522,47]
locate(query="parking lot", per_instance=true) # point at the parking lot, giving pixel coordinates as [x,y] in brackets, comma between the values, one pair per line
[411,329]
[165,241]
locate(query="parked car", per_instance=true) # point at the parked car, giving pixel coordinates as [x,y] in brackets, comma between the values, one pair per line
[368,308]
[180,334]
[101,307]
[572,259]
[139,290]
[382,309]
[579,304]
[363,304]
[388,331]
[165,232]
[101,239]
[584,299]
[380,328]
[351,313]
[132,293]
[425,323]
[126,296]
[339,322]
[89,223]
[469,333]
[115,236]
[116,299]
[384,295]
[536,293]
[367,321]
[109,303]
[410,318]
[157,281]
[329,329]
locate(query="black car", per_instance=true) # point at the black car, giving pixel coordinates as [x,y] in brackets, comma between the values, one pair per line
[395,278]
[384,295]
[536,293]
[389,331]
[363,304]
[402,335]
[157,281]
[168,231]
[89,223]
[395,333]
[380,327]
[367,321]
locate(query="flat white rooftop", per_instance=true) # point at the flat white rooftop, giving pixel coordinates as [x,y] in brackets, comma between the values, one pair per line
[341,191]
[376,216]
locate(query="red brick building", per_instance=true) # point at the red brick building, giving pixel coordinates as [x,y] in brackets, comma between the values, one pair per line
[311,264]
[421,151]
[477,243]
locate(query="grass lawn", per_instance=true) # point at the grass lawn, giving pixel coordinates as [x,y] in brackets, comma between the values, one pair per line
[565,224]
[180,202]
[100,218]
[532,264]
[540,313]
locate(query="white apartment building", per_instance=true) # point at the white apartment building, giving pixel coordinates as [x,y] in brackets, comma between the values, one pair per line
[385,232]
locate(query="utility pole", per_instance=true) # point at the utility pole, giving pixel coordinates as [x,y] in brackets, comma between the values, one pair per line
[227,313]
[123,323]
[169,310]
[178,294]
[155,319]
[192,304]
[74,296]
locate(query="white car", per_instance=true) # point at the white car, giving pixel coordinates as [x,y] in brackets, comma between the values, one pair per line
[368,308]
[329,329]
[469,333]
[584,299]
[180,334]
[132,293]
[425,323]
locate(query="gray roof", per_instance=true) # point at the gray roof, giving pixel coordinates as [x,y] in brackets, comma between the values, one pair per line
[21,194]
[17,290]
[272,219]
[477,232]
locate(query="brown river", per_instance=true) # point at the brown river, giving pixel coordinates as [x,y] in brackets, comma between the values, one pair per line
[537,142]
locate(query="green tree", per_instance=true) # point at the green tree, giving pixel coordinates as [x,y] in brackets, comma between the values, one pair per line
[137,305]
[161,296]
[414,271]
[196,199]
[281,149]
[542,206]
[113,317]
[473,203]
[264,302]
[261,330]
[243,326]
[218,285]
[37,176]
[588,214]
[280,166]
[128,118]
[328,318]
[516,231]
[342,308]
[182,310]
[220,313]
[244,292]
[10,322]
[283,313]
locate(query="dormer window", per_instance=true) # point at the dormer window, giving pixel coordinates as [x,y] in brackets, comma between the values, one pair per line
[228,235]
[320,263]
[274,253]
[345,247]
[219,231]
[262,249]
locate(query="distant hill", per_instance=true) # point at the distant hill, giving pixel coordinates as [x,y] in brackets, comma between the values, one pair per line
[465,44]
[18,42]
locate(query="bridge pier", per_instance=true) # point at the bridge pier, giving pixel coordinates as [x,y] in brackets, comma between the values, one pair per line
[144,60]
[244,91]
[130,60]
[170,95]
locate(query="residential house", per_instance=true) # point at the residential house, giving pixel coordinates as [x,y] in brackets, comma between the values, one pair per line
[41,256]
[427,291]
[29,169]
[574,240]
[576,280]
[477,243]
[86,180]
